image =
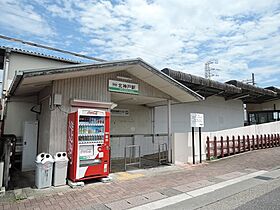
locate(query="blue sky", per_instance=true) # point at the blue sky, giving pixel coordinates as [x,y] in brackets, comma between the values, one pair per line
[180,34]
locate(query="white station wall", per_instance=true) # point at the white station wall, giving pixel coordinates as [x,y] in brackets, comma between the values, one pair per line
[218,115]
[139,121]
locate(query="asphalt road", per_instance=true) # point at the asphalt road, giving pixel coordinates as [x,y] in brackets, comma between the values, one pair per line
[254,194]
[268,201]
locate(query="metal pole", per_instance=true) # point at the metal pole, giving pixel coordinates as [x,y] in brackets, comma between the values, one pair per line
[193,151]
[124,158]
[199,136]
[169,130]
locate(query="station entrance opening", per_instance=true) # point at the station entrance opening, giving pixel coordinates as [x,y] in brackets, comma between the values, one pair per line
[134,141]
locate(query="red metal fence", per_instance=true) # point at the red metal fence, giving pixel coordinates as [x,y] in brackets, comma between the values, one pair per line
[219,148]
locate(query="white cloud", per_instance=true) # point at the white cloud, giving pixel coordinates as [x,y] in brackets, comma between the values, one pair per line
[19,17]
[242,35]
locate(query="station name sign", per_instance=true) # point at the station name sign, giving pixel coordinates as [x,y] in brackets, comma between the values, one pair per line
[123,87]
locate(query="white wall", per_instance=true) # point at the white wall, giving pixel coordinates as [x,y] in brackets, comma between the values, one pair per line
[139,121]
[218,113]
[17,113]
[26,62]
[182,142]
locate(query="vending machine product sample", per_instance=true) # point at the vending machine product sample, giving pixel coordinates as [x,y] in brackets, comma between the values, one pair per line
[88,144]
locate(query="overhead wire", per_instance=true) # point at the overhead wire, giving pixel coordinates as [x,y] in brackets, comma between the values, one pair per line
[49,48]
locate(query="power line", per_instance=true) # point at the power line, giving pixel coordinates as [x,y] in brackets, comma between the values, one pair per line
[49,48]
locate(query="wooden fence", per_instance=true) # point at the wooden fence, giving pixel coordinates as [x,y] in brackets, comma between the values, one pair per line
[222,147]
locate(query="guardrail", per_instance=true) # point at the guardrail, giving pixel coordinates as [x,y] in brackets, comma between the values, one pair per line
[219,148]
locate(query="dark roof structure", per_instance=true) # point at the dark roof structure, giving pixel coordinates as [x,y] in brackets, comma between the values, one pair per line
[252,94]
[274,89]
[204,87]
[231,90]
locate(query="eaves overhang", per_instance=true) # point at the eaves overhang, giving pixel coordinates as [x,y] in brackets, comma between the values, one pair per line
[136,67]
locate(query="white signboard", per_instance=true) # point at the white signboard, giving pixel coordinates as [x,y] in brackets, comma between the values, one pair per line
[197,120]
[123,87]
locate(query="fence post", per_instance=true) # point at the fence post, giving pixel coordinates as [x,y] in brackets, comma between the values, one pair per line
[228,150]
[262,141]
[215,146]
[233,144]
[244,144]
[274,140]
[208,148]
[278,140]
[258,143]
[269,140]
[222,147]
[265,142]
[239,146]
[248,143]
[253,140]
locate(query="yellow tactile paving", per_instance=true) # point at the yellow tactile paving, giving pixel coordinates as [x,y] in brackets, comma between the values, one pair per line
[128,176]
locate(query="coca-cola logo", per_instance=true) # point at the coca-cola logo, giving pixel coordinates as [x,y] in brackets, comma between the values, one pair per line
[93,112]
[70,138]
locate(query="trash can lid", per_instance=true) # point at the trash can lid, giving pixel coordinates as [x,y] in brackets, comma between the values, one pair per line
[47,158]
[40,157]
[60,156]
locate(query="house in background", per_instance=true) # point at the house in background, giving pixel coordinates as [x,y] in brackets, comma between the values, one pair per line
[12,60]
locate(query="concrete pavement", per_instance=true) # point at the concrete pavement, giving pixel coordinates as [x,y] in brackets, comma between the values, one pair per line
[137,188]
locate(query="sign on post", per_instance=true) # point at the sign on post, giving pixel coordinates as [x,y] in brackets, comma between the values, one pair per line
[197,120]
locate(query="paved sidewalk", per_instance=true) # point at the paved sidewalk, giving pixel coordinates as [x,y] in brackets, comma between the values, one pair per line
[136,188]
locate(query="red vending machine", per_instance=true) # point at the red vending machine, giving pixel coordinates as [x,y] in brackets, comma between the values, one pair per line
[88,144]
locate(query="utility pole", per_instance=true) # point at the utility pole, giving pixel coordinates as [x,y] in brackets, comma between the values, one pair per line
[250,81]
[209,70]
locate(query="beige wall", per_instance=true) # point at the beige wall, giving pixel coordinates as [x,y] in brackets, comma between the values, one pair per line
[264,106]
[95,87]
